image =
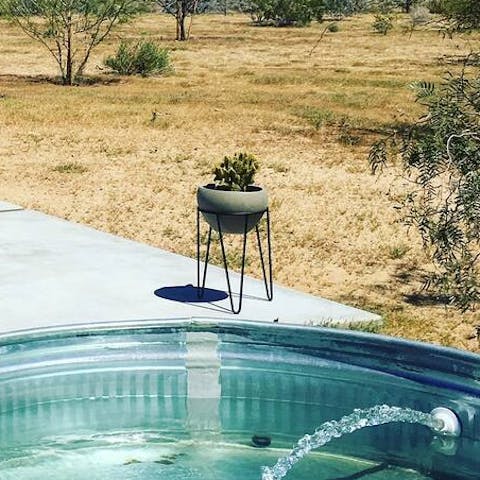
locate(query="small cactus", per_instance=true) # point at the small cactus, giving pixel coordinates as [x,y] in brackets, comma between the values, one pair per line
[237,172]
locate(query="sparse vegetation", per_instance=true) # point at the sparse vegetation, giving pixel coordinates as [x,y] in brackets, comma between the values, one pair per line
[71,167]
[317,117]
[334,228]
[398,251]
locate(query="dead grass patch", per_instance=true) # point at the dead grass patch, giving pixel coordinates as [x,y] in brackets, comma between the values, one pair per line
[145,145]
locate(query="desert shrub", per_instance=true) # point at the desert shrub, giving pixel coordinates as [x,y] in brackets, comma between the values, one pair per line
[383,23]
[141,58]
[441,164]
[282,13]
[333,27]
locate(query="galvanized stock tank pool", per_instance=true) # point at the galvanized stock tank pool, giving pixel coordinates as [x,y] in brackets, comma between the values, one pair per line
[207,400]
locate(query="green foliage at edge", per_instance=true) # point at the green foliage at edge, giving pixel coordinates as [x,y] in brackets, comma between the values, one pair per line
[440,159]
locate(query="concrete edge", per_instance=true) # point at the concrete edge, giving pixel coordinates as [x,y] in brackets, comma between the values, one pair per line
[6,207]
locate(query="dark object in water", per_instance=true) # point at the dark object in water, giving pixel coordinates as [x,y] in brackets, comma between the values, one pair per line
[261,441]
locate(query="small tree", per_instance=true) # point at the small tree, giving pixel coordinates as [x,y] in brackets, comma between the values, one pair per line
[182,10]
[441,163]
[69,29]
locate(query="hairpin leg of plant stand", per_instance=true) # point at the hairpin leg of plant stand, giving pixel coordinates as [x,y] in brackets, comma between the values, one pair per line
[225,264]
[201,289]
[267,282]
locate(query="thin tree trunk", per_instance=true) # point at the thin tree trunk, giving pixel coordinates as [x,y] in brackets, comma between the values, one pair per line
[183,35]
[180,21]
[177,37]
[181,32]
[69,59]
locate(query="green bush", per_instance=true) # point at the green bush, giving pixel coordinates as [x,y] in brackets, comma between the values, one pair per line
[283,13]
[141,58]
[333,27]
[383,23]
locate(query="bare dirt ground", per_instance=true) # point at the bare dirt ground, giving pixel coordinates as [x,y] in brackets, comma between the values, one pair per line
[94,155]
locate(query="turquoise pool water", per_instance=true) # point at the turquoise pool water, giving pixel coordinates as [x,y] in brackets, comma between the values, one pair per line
[182,400]
[148,456]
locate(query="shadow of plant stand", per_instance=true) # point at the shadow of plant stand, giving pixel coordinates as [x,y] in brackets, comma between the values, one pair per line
[267,276]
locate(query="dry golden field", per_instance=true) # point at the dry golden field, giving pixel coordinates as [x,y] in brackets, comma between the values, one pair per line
[91,154]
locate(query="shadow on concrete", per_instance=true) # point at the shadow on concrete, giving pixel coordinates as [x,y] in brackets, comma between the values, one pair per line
[188,294]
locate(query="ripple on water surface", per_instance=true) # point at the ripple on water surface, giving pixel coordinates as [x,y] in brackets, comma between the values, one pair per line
[146,456]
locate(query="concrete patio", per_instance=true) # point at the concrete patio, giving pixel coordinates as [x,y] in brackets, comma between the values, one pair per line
[55,272]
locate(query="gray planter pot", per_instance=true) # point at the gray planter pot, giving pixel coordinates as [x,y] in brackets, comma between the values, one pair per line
[230,206]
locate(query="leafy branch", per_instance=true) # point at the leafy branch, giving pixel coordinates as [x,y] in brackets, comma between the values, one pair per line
[440,158]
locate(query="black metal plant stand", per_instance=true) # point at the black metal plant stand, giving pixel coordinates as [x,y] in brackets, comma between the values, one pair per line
[267,279]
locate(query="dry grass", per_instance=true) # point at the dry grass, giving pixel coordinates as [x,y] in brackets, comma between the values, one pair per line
[91,154]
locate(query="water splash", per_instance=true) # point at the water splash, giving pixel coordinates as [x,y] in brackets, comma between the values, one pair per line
[370,417]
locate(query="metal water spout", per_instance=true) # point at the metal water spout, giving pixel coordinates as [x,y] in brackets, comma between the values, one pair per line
[448,422]
[442,421]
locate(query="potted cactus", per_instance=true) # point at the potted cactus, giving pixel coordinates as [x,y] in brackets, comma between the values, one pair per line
[233,203]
